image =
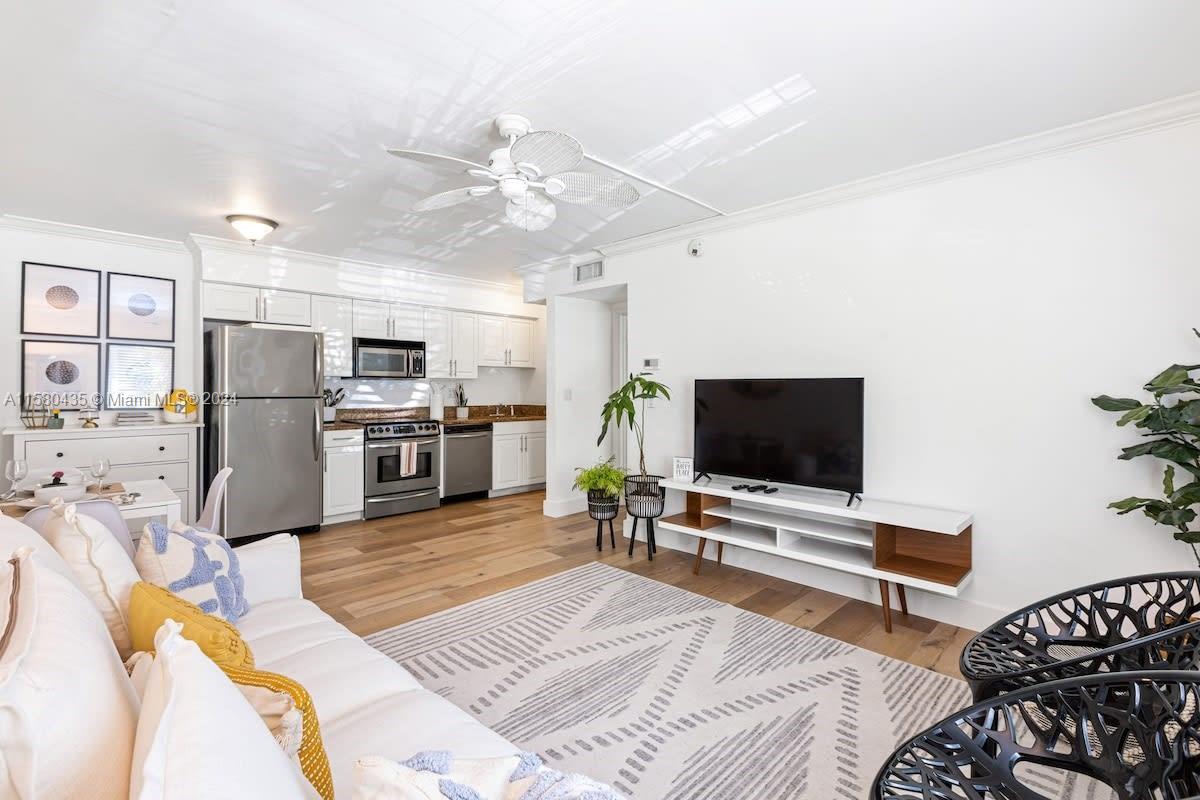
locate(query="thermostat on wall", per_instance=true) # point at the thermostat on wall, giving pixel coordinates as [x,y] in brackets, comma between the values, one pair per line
[649,365]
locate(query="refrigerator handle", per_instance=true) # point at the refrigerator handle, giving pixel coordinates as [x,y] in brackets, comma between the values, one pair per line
[318,365]
[317,430]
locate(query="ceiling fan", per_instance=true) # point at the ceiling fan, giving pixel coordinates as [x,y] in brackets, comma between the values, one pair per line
[531,172]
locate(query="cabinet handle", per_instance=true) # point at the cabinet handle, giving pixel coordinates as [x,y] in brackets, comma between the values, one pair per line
[162,477]
[161,448]
[258,308]
[59,455]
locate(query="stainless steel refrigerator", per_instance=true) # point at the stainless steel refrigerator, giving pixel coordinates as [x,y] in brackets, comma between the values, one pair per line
[264,421]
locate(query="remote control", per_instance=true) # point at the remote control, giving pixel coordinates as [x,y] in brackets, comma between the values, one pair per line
[757,488]
[741,486]
[771,490]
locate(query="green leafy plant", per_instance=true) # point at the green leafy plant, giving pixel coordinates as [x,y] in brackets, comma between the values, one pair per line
[1171,421]
[604,477]
[622,405]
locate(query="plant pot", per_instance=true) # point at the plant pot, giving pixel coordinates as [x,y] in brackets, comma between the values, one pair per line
[462,412]
[602,506]
[644,498]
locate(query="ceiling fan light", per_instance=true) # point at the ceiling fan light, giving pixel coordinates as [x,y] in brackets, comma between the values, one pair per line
[251,227]
[534,213]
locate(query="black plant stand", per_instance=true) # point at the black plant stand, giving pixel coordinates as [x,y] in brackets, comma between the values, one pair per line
[644,499]
[603,508]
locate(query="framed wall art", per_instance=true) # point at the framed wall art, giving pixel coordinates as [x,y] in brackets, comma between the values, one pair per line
[138,375]
[60,301]
[140,307]
[63,375]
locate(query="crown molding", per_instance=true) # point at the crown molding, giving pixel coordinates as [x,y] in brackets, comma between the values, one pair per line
[1161,115]
[13,222]
[198,243]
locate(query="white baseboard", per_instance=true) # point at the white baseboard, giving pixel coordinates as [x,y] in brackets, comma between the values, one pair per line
[954,611]
[533,487]
[564,508]
[336,518]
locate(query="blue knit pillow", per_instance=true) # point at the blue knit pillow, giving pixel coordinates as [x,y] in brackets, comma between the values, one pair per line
[196,565]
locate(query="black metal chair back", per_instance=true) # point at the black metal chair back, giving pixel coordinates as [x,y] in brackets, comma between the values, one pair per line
[1136,732]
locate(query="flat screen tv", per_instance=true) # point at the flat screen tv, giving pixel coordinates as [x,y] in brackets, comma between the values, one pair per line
[805,431]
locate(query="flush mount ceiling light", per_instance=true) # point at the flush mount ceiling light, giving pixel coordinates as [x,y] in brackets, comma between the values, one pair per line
[252,227]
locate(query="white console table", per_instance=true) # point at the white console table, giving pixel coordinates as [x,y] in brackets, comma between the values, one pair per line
[925,548]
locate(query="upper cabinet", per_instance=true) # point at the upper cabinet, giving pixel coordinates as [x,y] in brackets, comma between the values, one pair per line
[504,341]
[251,304]
[334,317]
[375,320]
[450,344]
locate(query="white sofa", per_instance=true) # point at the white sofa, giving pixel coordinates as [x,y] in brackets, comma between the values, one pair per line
[367,704]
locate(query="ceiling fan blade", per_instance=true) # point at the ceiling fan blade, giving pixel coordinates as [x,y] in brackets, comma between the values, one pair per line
[590,189]
[550,151]
[439,160]
[451,198]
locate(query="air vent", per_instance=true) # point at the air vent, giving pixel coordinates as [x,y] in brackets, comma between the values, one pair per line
[589,272]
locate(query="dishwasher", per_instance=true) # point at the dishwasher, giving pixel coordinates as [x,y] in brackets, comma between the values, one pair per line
[468,459]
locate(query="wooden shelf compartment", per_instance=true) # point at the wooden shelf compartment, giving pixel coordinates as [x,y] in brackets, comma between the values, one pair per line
[820,528]
[922,554]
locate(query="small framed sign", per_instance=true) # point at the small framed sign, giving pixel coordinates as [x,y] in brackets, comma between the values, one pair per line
[683,468]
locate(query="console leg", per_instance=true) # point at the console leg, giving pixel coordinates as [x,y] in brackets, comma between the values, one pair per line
[903,599]
[699,557]
[612,537]
[720,552]
[599,535]
[885,594]
[633,536]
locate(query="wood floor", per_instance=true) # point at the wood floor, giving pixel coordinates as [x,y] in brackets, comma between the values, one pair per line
[375,574]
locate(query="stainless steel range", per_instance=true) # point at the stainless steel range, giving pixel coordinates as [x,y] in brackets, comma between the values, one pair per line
[389,488]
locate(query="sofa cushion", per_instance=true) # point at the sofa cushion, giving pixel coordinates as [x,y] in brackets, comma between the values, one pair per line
[198,566]
[67,709]
[199,737]
[102,568]
[368,704]
[150,606]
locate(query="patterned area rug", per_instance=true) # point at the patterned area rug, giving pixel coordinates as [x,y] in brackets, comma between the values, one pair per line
[665,694]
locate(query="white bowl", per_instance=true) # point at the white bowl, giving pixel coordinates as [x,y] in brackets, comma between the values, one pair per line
[40,475]
[67,492]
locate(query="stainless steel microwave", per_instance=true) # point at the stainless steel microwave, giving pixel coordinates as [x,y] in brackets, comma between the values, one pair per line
[384,358]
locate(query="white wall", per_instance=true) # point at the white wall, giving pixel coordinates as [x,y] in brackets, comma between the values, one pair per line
[983,310]
[579,362]
[108,253]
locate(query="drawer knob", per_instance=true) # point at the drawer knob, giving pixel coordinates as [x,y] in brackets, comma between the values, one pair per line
[161,478]
[59,455]
[161,448]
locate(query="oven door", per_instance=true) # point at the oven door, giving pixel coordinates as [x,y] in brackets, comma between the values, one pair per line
[383,465]
[374,361]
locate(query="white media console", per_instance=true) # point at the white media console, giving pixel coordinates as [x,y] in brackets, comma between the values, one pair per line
[925,548]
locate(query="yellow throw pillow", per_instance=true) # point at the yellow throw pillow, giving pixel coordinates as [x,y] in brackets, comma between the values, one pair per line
[149,605]
[314,763]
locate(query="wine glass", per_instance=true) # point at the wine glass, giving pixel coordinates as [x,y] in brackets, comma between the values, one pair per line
[100,468]
[16,470]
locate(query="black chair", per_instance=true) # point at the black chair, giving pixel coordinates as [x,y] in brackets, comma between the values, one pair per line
[1144,622]
[1136,732]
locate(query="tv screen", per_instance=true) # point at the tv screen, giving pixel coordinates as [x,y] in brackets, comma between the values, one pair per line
[806,431]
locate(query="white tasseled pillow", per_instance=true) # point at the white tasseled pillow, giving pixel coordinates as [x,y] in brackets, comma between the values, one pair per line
[101,566]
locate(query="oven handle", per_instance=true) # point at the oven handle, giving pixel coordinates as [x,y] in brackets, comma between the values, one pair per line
[380,445]
[404,497]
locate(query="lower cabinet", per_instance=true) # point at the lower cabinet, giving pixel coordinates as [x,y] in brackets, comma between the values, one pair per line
[518,454]
[343,480]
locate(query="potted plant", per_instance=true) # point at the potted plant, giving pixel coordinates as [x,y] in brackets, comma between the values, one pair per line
[643,496]
[602,482]
[460,401]
[1171,421]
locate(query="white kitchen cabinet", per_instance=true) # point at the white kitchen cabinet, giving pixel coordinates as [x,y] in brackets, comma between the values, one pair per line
[438,343]
[504,342]
[342,481]
[518,454]
[492,341]
[236,303]
[286,308]
[463,358]
[374,320]
[334,317]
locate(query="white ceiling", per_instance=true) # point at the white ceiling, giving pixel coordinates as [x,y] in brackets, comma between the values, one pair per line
[159,117]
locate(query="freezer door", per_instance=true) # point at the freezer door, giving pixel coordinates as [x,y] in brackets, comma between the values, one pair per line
[274,447]
[252,362]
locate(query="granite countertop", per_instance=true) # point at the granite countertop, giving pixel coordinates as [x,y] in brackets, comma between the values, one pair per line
[342,425]
[451,423]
